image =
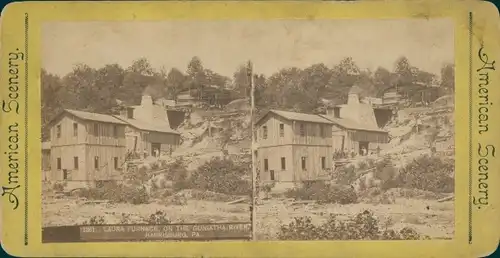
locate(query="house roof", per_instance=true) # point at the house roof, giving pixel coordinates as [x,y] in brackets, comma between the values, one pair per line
[158,126]
[94,116]
[353,125]
[294,116]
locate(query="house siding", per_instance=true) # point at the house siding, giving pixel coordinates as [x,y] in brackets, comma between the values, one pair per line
[107,142]
[292,146]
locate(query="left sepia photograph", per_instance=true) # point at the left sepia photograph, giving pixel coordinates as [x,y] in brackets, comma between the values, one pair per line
[143,140]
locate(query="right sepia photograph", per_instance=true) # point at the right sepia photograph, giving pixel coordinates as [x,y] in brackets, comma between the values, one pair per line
[353,130]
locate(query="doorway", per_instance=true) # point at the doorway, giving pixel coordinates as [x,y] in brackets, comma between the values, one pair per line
[155,149]
[363,148]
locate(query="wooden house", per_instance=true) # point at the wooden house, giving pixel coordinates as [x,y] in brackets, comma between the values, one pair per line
[45,160]
[148,131]
[293,147]
[356,129]
[86,148]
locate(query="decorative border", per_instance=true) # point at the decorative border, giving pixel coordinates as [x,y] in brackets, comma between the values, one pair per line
[470,127]
[26,139]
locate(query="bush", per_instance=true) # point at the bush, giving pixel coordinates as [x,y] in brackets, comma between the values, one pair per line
[363,226]
[323,193]
[116,193]
[346,175]
[222,176]
[159,217]
[95,220]
[428,173]
[59,187]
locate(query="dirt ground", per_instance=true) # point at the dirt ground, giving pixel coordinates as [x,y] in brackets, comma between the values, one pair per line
[428,217]
[71,211]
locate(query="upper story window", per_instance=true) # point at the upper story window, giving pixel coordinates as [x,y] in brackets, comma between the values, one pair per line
[75,129]
[282,130]
[322,130]
[336,112]
[58,131]
[302,130]
[313,130]
[96,129]
[264,132]
[115,131]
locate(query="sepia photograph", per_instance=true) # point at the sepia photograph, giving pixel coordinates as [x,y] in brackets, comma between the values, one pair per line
[354,132]
[263,130]
[146,123]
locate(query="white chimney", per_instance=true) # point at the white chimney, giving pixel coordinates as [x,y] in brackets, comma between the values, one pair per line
[147,107]
[353,96]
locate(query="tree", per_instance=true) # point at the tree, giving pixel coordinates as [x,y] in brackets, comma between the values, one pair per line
[448,78]
[137,77]
[279,86]
[80,87]
[196,76]
[175,82]
[109,80]
[344,76]
[216,79]
[50,99]
[241,81]
[404,72]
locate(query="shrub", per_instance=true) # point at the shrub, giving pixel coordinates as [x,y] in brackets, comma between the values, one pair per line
[363,226]
[159,217]
[59,187]
[95,220]
[116,193]
[222,176]
[429,173]
[323,193]
[346,175]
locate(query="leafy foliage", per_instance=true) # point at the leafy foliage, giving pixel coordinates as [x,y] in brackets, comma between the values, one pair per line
[323,193]
[429,173]
[222,176]
[363,226]
[116,193]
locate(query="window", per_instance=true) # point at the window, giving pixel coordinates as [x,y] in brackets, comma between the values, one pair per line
[302,130]
[282,130]
[266,165]
[75,129]
[283,163]
[115,161]
[323,163]
[255,135]
[96,129]
[130,113]
[304,163]
[59,163]
[58,131]
[313,130]
[322,131]
[264,132]
[271,175]
[65,174]
[115,131]
[96,162]
[336,112]
[75,162]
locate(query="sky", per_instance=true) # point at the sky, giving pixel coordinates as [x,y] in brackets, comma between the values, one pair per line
[271,45]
